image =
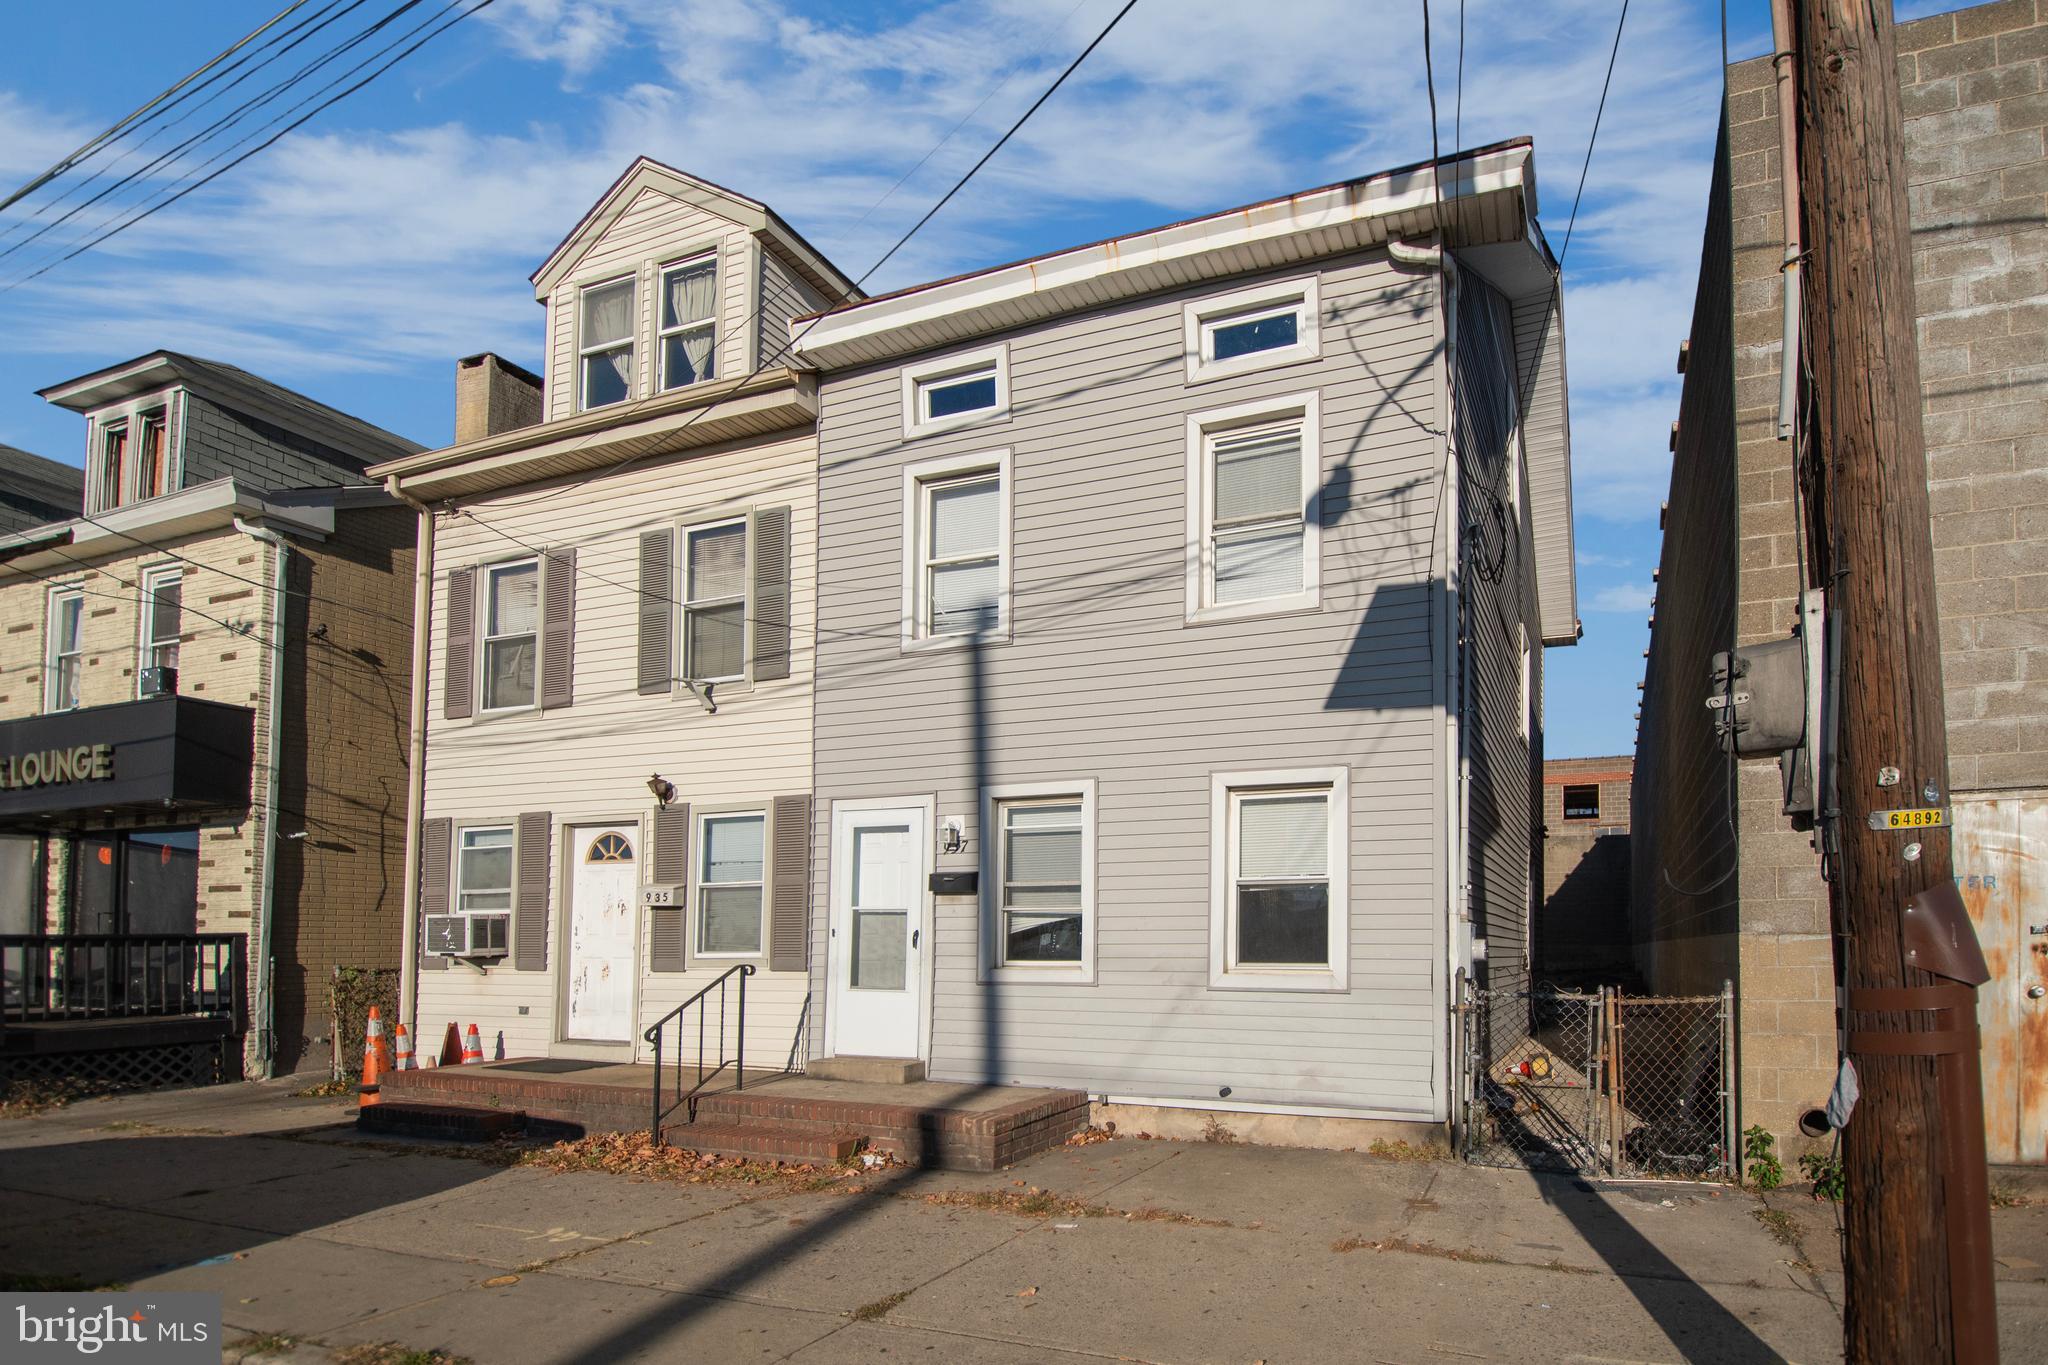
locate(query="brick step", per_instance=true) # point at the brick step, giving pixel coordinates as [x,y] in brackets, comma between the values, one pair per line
[460,1122]
[764,1142]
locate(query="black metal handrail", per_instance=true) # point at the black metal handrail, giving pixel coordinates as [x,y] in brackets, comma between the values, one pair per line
[675,1016]
[62,978]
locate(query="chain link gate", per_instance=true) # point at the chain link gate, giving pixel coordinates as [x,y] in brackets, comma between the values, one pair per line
[1596,1083]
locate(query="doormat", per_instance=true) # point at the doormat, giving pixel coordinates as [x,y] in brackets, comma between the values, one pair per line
[552,1066]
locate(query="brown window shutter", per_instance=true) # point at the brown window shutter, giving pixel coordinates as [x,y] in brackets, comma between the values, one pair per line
[531,844]
[435,838]
[789,903]
[667,936]
[458,676]
[771,593]
[657,606]
[558,629]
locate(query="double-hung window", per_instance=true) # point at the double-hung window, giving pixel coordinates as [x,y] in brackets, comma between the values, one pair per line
[715,601]
[955,391]
[689,322]
[111,467]
[511,635]
[1039,872]
[483,869]
[163,605]
[730,876]
[1281,889]
[1251,329]
[957,580]
[64,650]
[149,455]
[1254,534]
[606,343]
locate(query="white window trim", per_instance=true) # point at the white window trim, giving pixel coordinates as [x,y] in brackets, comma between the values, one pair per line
[510,828]
[138,423]
[480,665]
[993,968]
[59,594]
[153,578]
[915,637]
[1199,315]
[684,530]
[915,377]
[1201,497]
[631,344]
[662,334]
[1334,976]
[699,817]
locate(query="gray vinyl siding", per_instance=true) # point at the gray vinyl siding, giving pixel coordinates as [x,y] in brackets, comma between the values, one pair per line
[221,443]
[1102,679]
[1503,765]
[784,295]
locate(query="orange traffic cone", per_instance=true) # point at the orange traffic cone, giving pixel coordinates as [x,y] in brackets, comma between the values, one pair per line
[451,1046]
[385,1064]
[369,1092]
[472,1047]
[406,1061]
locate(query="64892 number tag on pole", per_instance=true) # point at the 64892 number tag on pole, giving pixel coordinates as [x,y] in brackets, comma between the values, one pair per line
[1919,817]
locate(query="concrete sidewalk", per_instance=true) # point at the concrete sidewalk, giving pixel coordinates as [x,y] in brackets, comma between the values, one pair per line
[1182,1252]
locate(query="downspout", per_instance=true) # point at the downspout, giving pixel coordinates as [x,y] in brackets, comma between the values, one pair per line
[262,1000]
[1788,180]
[416,752]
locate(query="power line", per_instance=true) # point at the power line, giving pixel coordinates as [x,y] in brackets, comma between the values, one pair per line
[1458,120]
[1593,139]
[92,145]
[174,197]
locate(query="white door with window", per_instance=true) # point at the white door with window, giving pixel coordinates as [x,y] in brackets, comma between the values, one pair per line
[604,884]
[879,934]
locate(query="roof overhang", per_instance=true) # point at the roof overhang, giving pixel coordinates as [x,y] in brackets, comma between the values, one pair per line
[1482,207]
[756,217]
[702,415]
[193,511]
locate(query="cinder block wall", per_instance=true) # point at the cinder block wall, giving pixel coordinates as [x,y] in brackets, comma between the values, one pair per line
[1582,933]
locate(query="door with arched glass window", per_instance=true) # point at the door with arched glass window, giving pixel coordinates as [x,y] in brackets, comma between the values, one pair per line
[604,881]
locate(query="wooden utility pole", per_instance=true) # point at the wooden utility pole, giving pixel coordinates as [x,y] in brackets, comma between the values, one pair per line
[1877,559]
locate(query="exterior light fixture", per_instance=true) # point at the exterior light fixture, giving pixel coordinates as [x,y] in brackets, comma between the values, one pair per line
[663,789]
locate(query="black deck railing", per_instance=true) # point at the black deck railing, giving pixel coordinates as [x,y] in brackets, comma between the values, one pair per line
[710,1044]
[77,978]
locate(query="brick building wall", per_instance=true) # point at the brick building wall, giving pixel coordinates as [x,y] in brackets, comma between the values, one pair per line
[1976,103]
[1582,931]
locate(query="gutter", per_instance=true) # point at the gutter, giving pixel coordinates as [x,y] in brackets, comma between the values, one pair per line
[416,753]
[1795,249]
[263,1001]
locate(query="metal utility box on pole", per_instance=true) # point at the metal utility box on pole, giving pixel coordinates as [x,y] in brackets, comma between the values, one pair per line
[1916,1245]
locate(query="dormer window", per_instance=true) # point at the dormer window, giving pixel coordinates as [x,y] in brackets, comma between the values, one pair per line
[113,460]
[149,456]
[607,347]
[689,322]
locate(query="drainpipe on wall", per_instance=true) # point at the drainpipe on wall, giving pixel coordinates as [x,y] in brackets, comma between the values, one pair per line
[262,1000]
[416,753]
[1788,179]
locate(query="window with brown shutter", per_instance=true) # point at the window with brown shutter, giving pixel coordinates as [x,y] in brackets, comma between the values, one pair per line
[657,628]
[558,629]
[771,625]
[531,847]
[789,900]
[667,944]
[435,838]
[458,677]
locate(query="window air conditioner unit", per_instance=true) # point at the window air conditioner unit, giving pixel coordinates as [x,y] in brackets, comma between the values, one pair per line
[159,682]
[468,935]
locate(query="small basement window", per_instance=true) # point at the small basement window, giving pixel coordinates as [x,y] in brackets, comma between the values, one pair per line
[1582,802]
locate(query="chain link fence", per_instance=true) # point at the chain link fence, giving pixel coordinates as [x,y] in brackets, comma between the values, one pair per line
[1596,1083]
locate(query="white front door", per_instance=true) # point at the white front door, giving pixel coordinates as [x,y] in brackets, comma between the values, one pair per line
[878,938]
[604,883]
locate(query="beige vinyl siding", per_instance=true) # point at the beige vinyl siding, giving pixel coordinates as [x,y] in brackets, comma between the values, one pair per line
[1103,680]
[1500,731]
[589,763]
[784,295]
[656,230]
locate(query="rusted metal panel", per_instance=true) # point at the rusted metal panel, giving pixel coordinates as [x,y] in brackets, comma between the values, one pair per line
[1999,845]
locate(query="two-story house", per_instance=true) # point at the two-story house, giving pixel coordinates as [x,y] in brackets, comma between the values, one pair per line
[615,714]
[1181,600]
[202,696]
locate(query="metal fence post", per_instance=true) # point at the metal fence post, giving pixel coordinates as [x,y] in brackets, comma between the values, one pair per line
[1731,1164]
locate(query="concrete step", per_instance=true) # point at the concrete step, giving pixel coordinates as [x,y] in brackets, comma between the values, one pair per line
[460,1122]
[764,1142]
[871,1070]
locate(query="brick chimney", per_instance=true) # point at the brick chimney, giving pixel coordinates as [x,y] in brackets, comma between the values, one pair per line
[493,395]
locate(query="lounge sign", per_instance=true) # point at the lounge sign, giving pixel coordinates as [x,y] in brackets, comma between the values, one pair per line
[47,767]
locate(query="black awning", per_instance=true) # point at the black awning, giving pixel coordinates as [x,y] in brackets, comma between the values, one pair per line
[154,755]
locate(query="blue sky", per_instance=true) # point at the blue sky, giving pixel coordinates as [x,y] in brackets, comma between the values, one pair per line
[359,257]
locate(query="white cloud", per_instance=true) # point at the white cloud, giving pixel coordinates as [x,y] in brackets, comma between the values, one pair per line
[1620,597]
